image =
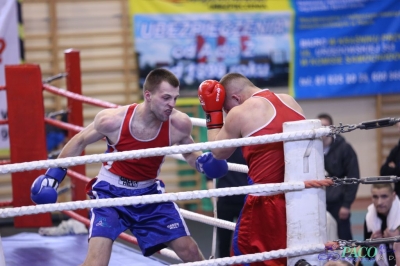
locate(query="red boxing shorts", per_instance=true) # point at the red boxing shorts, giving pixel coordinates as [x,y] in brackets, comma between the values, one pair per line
[261,227]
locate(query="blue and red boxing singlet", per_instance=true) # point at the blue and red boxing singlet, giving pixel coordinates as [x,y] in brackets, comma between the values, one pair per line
[143,168]
[266,161]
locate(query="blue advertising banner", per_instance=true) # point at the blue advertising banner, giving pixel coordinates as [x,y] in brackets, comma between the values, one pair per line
[346,48]
[318,48]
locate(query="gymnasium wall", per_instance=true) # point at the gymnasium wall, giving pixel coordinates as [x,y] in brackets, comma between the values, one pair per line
[101,30]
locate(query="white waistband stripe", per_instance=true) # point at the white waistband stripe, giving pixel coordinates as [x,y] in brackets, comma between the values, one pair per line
[122,182]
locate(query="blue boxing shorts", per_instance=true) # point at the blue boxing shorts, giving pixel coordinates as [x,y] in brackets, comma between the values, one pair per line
[152,224]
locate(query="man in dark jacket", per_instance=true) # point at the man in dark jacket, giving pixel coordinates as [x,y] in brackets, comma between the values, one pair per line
[392,164]
[340,161]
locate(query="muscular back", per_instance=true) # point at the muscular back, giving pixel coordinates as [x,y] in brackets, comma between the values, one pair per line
[256,112]
[266,161]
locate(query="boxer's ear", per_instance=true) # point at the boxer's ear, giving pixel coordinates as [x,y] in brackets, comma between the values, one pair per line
[147,96]
[236,98]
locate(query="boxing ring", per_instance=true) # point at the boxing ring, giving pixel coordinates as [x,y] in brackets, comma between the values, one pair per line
[304,168]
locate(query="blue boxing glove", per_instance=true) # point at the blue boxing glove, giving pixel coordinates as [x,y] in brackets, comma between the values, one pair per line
[211,167]
[44,188]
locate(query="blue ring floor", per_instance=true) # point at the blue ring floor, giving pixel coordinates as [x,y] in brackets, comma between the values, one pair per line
[32,249]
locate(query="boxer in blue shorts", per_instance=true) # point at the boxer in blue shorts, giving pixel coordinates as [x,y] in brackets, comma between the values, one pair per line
[151,124]
[150,230]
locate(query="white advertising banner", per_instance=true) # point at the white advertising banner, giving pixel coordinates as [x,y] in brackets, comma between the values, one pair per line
[9,55]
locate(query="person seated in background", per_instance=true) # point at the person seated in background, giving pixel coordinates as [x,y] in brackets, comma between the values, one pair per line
[55,136]
[340,160]
[392,164]
[383,220]
[228,208]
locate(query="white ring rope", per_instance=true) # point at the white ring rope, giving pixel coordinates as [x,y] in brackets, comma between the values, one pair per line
[208,220]
[188,195]
[118,156]
[231,166]
[243,259]
[200,122]
[169,253]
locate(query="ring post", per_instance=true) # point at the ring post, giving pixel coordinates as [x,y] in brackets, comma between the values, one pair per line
[75,117]
[27,135]
[305,209]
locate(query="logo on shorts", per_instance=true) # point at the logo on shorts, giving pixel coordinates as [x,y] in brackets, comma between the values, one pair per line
[173,226]
[127,182]
[103,223]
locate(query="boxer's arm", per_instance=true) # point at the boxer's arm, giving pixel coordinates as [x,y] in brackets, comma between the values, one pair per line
[182,127]
[77,144]
[103,125]
[203,162]
[190,157]
[230,130]
[44,188]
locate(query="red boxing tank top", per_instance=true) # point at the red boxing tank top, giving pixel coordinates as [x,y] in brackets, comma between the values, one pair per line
[143,168]
[266,161]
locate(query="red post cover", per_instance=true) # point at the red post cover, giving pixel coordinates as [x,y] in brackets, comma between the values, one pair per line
[27,135]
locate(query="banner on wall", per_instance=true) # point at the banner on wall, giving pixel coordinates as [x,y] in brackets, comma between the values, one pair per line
[196,41]
[320,48]
[9,55]
[346,48]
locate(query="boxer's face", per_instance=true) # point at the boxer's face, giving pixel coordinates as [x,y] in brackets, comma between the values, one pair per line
[162,100]
[383,198]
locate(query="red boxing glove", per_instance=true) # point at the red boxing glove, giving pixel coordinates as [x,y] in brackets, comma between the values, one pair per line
[212,96]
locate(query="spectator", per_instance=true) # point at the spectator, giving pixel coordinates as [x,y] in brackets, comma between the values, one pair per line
[392,164]
[55,136]
[228,208]
[383,219]
[340,161]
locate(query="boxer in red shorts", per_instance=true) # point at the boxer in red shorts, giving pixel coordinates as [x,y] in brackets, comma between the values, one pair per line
[252,111]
